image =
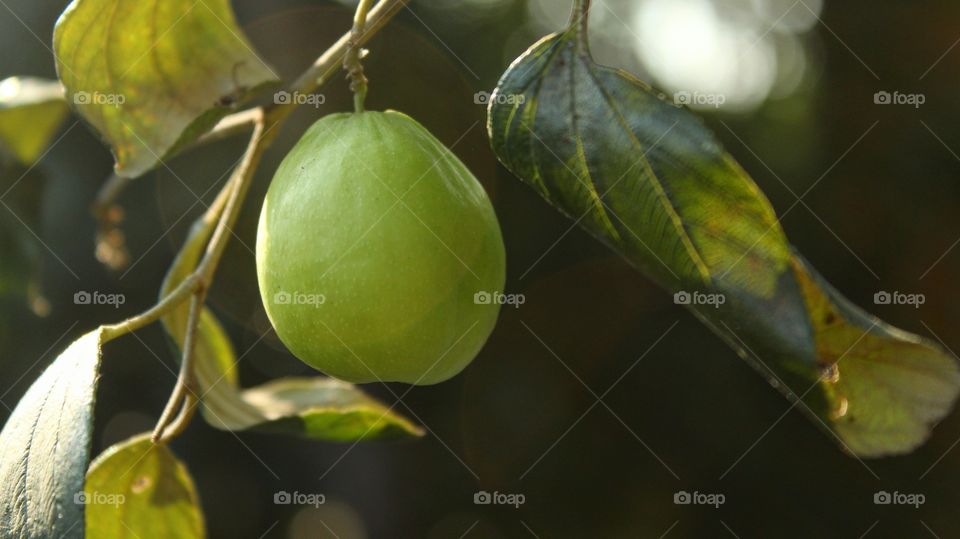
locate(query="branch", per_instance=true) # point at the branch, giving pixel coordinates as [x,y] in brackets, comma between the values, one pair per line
[225,210]
[185,380]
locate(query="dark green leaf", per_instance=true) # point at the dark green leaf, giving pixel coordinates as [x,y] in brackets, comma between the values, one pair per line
[31,110]
[46,447]
[649,180]
[137,489]
[320,408]
[154,75]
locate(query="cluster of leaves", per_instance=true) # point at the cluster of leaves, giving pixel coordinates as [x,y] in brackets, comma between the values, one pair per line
[642,175]
[148,95]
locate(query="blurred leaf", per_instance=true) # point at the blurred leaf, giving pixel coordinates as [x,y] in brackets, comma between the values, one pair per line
[137,489]
[22,260]
[151,76]
[21,254]
[650,181]
[31,110]
[46,447]
[315,407]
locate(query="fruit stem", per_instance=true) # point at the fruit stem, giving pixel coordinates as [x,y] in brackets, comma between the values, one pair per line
[351,60]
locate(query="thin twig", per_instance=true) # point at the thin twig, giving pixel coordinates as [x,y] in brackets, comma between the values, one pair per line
[182,291]
[185,381]
[243,176]
[184,393]
[190,403]
[177,296]
[330,61]
[351,59]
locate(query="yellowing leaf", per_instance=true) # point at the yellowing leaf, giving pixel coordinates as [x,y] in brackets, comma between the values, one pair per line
[137,489]
[152,75]
[31,110]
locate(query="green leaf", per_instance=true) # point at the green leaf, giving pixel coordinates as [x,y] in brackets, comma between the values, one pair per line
[137,489]
[31,111]
[325,408]
[152,76]
[647,178]
[315,407]
[46,447]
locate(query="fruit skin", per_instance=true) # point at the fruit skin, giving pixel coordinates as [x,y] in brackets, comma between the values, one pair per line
[398,279]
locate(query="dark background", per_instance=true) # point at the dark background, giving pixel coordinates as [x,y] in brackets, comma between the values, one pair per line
[690,416]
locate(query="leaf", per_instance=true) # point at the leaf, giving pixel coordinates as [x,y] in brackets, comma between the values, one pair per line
[21,255]
[46,447]
[315,407]
[325,408]
[137,489]
[22,260]
[152,76]
[31,111]
[647,178]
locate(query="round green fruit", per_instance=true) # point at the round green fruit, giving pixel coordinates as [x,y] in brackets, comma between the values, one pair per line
[378,252]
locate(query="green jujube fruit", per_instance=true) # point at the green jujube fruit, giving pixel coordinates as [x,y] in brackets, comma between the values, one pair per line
[378,252]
